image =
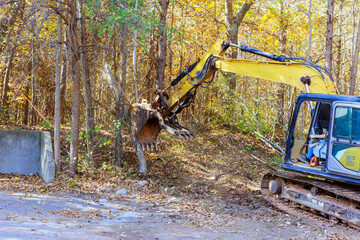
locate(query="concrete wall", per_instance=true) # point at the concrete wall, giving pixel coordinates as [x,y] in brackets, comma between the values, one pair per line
[47,162]
[27,152]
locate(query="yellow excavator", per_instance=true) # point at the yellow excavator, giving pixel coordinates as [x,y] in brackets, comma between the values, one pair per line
[322,152]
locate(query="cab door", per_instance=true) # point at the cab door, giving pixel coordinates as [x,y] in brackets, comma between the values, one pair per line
[344,149]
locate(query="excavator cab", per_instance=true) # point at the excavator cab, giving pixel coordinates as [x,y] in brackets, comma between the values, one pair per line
[324,137]
[322,159]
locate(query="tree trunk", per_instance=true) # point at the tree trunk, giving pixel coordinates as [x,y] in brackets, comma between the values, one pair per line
[26,107]
[121,105]
[57,94]
[4,99]
[33,85]
[90,122]
[232,24]
[170,40]
[355,63]
[63,86]
[162,45]
[142,161]
[279,124]
[150,78]
[329,36]
[75,75]
[75,115]
[310,30]
[134,60]
[339,52]
[308,14]
[338,63]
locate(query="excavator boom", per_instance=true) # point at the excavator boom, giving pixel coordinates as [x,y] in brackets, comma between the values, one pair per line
[282,72]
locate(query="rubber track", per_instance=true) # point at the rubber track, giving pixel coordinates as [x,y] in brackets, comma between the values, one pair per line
[315,217]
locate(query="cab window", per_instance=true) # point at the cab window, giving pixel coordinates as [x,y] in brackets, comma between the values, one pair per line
[347,123]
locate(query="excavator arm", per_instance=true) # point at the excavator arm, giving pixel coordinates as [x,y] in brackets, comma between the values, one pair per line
[147,119]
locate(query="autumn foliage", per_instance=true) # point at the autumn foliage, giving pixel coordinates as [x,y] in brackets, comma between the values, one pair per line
[78,65]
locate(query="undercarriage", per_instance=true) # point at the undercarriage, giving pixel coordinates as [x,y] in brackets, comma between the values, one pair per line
[334,201]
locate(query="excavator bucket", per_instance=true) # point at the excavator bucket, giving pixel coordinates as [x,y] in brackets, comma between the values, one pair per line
[146,123]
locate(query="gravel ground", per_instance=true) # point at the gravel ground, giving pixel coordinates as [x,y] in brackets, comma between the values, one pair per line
[65,216]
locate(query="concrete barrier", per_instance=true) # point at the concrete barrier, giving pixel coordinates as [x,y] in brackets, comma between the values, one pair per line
[27,152]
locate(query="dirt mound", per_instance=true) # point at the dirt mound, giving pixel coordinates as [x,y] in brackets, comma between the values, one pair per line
[217,162]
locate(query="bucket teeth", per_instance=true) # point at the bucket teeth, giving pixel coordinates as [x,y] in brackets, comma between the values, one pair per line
[184,134]
[146,123]
[187,133]
[148,145]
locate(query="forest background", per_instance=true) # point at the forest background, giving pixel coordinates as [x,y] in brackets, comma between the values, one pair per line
[75,66]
